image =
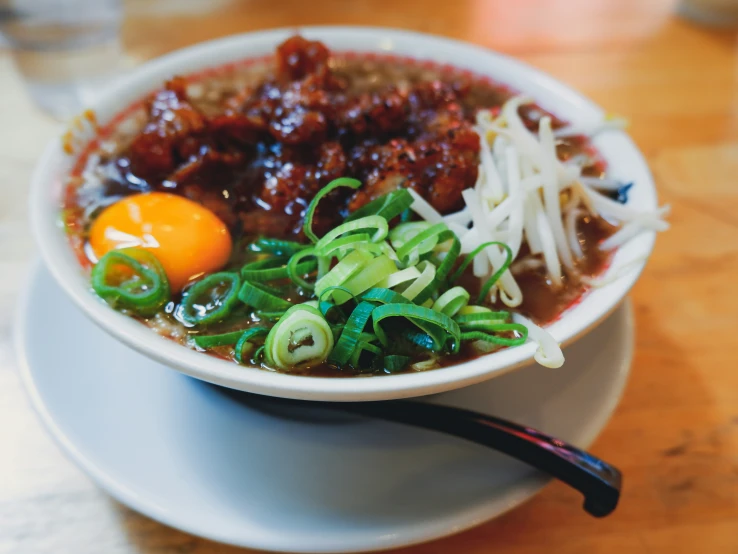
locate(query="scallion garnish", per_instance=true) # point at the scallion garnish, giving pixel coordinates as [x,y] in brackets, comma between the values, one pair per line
[245,344]
[211,299]
[262,297]
[368,303]
[131,278]
[302,337]
[310,212]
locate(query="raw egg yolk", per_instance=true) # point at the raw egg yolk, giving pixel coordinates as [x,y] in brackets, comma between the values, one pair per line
[187,238]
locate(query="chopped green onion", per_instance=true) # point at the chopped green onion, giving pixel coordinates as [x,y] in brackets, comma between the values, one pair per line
[399,277]
[277,267]
[394,363]
[244,344]
[495,339]
[327,307]
[276,246]
[324,265]
[296,269]
[451,301]
[364,344]
[368,222]
[267,269]
[388,206]
[388,251]
[469,258]
[350,334]
[310,212]
[131,278]
[211,299]
[472,309]
[330,290]
[262,297]
[223,339]
[348,241]
[373,272]
[480,318]
[439,327]
[406,231]
[423,242]
[369,247]
[495,277]
[493,280]
[269,314]
[416,338]
[384,296]
[259,354]
[427,274]
[343,271]
[302,337]
[443,270]
[492,327]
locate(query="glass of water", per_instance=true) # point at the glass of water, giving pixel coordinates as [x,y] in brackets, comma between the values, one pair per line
[63,48]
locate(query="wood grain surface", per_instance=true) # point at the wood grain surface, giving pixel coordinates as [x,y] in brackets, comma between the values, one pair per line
[675,435]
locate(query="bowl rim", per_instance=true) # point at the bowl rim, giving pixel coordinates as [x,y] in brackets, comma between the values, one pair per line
[47,185]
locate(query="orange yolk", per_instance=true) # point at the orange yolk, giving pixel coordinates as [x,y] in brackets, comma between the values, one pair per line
[188,239]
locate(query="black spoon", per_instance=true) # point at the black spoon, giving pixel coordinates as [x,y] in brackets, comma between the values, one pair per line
[597,480]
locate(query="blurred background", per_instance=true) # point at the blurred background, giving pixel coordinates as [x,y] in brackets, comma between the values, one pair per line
[669,66]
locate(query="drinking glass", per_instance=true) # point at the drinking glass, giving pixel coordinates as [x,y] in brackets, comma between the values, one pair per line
[63,48]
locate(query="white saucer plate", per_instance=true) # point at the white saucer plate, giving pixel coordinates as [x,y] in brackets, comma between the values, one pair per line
[185,453]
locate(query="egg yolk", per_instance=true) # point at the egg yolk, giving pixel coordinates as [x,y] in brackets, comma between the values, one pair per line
[187,238]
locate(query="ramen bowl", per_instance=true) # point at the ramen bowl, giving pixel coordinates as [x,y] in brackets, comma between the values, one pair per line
[624,162]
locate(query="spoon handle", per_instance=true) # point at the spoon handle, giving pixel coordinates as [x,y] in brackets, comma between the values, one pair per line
[598,481]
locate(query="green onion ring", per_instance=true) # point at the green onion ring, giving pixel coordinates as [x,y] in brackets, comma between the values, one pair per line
[443,270]
[302,337]
[493,280]
[377,269]
[343,271]
[368,222]
[427,275]
[259,354]
[486,337]
[310,212]
[479,319]
[269,314]
[469,258]
[399,277]
[384,296]
[262,297]
[388,205]
[205,302]
[277,246]
[223,339]
[295,269]
[142,287]
[350,334]
[363,345]
[439,327]
[451,301]
[394,363]
[347,241]
[422,243]
[245,340]
[267,269]
[403,232]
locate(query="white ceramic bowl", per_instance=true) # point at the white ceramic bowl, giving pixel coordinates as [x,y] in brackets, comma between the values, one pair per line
[624,159]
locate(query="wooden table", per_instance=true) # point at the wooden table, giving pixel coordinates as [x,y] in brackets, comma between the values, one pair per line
[675,435]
